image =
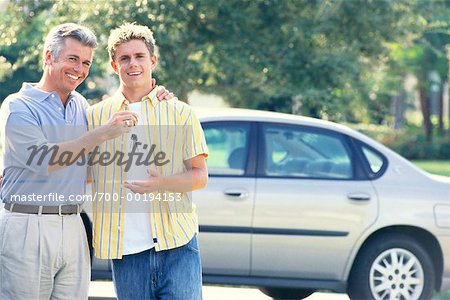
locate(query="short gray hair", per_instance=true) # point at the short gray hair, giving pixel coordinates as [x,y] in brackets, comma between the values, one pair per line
[58,34]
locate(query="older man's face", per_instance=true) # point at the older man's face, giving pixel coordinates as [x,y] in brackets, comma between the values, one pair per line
[71,66]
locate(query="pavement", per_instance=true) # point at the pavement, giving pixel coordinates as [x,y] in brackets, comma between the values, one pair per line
[104,290]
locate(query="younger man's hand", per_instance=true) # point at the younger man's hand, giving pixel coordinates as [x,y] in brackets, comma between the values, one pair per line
[144,186]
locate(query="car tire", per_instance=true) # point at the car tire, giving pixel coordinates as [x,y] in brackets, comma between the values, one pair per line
[407,270]
[286,293]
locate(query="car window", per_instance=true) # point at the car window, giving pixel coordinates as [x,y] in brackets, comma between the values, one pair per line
[300,152]
[374,159]
[228,148]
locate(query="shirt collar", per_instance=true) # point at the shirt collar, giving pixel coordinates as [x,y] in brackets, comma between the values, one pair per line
[30,90]
[120,100]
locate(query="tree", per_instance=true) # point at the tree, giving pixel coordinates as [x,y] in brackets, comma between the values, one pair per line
[312,51]
[423,53]
[265,54]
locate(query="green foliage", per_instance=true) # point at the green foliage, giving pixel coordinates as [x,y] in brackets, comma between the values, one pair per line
[381,133]
[311,51]
[21,31]
[415,146]
[324,57]
[421,53]
[410,142]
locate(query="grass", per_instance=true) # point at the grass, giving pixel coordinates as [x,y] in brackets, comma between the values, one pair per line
[442,296]
[439,167]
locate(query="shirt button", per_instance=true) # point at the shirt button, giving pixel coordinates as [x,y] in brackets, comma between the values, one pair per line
[53,96]
[59,108]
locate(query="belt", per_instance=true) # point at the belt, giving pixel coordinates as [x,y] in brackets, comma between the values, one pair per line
[44,210]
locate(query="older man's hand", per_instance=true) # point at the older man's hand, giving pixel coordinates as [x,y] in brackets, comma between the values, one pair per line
[163,93]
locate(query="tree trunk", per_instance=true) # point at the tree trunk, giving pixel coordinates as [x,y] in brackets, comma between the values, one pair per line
[446,99]
[425,106]
[399,109]
[183,95]
[441,111]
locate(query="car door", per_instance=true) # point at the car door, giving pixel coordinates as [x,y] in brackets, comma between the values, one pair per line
[312,203]
[225,206]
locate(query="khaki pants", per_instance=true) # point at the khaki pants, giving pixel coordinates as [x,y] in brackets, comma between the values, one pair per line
[43,257]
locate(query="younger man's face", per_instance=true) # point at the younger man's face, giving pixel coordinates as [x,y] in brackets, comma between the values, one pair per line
[134,64]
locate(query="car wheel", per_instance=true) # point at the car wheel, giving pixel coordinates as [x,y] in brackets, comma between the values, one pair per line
[286,293]
[392,267]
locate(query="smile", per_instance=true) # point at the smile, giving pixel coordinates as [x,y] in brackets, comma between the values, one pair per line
[72,76]
[134,73]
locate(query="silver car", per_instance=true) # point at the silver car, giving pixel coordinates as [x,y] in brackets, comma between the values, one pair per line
[295,204]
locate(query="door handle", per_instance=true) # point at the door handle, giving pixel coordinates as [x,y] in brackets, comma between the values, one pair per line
[358,196]
[236,193]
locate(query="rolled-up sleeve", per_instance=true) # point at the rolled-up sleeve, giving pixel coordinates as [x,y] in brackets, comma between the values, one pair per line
[195,142]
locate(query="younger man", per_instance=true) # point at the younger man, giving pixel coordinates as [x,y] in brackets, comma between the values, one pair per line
[150,227]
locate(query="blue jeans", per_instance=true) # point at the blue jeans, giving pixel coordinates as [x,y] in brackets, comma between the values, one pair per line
[174,274]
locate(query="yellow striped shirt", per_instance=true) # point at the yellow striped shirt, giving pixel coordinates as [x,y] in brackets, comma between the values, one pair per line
[173,128]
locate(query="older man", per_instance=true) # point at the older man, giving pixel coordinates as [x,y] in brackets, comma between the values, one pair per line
[44,252]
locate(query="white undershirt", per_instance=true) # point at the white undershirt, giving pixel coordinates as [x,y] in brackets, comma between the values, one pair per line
[137,230]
